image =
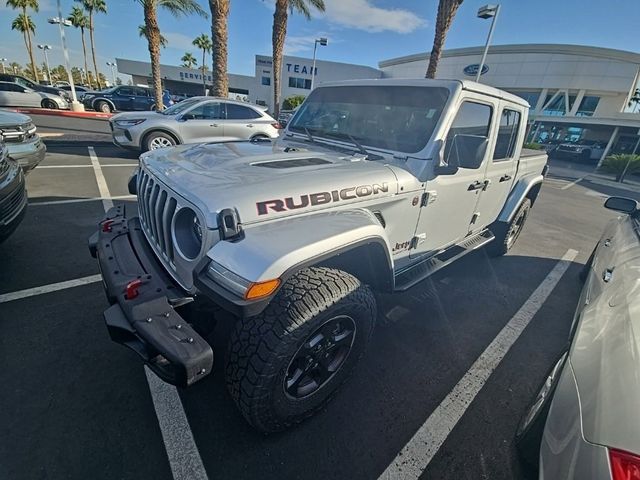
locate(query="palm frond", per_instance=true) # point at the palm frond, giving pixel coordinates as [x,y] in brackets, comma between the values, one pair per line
[303,6]
[182,7]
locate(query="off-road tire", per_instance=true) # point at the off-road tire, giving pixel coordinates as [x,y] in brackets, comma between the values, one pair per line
[50,104]
[507,233]
[261,348]
[102,106]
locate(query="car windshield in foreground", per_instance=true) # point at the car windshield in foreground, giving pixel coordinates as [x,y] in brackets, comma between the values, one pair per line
[388,117]
[178,108]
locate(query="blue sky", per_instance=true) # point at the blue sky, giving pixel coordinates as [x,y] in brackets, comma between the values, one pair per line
[359,31]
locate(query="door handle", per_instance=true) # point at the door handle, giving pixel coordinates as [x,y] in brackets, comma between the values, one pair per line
[250,125]
[477,186]
[505,178]
[213,125]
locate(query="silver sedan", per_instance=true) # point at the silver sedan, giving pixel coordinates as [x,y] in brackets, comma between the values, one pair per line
[585,421]
[15,95]
[195,120]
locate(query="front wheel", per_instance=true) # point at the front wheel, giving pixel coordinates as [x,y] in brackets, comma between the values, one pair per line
[285,364]
[156,140]
[50,104]
[507,233]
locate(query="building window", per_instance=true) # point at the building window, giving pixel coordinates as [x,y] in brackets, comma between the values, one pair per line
[531,97]
[300,83]
[507,134]
[266,81]
[587,106]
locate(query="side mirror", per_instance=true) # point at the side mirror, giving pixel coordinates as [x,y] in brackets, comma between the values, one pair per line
[187,116]
[621,204]
[464,151]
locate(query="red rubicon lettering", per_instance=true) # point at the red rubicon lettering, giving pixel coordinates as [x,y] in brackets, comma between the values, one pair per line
[275,205]
[344,193]
[320,198]
[304,202]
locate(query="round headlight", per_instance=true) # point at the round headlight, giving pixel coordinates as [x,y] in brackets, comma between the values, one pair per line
[188,233]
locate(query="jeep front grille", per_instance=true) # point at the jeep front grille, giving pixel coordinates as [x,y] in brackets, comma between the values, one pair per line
[156,206]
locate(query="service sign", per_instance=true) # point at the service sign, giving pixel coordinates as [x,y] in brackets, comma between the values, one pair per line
[472,70]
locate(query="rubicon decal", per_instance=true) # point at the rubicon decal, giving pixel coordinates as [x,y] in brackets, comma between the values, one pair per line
[320,198]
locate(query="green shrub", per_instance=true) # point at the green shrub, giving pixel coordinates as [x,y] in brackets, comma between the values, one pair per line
[621,165]
[533,146]
[290,103]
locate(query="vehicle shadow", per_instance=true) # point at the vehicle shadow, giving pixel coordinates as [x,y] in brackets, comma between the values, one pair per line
[425,341]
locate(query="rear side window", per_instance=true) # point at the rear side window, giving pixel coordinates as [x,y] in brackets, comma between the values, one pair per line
[11,87]
[507,135]
[141,92]
[472,119]
[238,112]
[125,91]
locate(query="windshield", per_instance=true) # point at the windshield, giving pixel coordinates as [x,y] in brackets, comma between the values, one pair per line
[394,118]
[179,108]
[24,82]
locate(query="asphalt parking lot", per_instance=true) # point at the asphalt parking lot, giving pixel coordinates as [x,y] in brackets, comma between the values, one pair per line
[77,405]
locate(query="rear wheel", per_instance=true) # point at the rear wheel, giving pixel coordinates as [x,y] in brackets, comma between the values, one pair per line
[507,233]
[103,107]
[48,103]
[156,140]
[285,364]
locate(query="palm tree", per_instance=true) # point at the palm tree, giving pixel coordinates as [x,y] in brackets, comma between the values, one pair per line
[79,20]
[280,17]
[15,67]
[446,12]
[188,60]
[94,6]
[219,15]
[142,31]
[26,26]
[152,33]
[203,42]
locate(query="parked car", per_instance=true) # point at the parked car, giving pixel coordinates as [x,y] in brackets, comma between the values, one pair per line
[285,116]
[13,195]
[123,98]
[25,82]
[375,185]
[583,423]
[195,120]
[14,95]
[581,150]
[22,142]
[80,90]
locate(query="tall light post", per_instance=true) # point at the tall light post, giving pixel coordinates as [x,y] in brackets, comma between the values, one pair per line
[2,60]
[44,48]
[63,22]
[488,11]
[322,41]
[113,72]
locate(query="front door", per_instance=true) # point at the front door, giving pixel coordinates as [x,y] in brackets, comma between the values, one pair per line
[142,98]
[451,199]
[502,166]
[203,123]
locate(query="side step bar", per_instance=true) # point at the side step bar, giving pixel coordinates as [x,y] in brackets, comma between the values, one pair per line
[414,274]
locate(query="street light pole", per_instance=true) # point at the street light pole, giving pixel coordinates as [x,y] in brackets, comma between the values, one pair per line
[113,73]
[44,48]
[2,60]
[322,41]
[63,22]
[485,12]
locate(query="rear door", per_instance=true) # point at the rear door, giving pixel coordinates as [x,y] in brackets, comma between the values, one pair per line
[203,123]
[241,122]
[502,165]
[123,98]
[142,98]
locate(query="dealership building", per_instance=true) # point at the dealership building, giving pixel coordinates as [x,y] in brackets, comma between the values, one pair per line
[575,92]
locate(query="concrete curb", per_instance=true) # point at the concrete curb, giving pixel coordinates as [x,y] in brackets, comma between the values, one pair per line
[64,113]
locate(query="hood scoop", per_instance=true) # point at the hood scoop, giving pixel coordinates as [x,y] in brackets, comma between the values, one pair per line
[292,163]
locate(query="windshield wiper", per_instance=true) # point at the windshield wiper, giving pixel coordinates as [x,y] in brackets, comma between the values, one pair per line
[309,136]
[361,149]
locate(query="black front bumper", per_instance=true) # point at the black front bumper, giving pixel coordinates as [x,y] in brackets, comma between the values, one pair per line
[146,323]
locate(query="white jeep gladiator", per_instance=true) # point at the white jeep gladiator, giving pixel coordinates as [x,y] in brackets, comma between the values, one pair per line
[374,186]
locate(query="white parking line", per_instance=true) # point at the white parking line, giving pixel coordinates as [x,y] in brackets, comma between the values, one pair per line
[418,453]
[80,200]
[569,185]
[181,448]
[102,183]
[52,287]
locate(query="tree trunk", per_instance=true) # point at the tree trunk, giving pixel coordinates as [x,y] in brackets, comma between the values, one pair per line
[153,36]
[84,52]
[219,34]
[93,49]
[279,34]
[34,68]
[446,12]
[204,81]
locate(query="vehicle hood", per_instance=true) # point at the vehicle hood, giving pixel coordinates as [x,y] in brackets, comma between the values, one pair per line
[605,353]
[137,115]
[8,118]
[265,180]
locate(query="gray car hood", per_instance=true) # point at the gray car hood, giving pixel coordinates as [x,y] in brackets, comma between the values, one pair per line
[243,175]
[13,118]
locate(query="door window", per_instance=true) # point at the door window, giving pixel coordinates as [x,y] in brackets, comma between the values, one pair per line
[239,112]
[507,134]
[472,119]
[206,111]
[140,92]
[126,91]
[12,87]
